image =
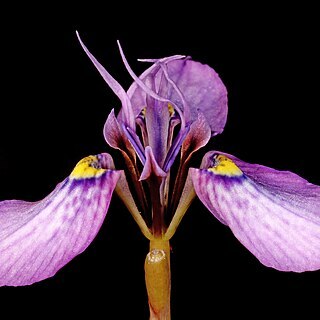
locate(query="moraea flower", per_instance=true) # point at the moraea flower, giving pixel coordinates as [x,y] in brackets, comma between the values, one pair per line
[169,112]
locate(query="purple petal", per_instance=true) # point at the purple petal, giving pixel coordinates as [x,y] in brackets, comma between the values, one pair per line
[136,94]
[175,148]
[202,89]
[115,137]
[195,85]
[37,239]
[157,124]
[126,111]
[150,92]
[274,214]
[135,142]
[198,137]
[151,166]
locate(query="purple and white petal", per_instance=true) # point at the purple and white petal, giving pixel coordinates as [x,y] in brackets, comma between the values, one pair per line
[39,238]
[274,214]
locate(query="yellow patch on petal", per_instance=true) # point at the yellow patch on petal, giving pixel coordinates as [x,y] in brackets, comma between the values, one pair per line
[88,167]
[225,167]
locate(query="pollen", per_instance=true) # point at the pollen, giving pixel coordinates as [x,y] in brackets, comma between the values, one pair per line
[171,109]
[225,167]
[88,167]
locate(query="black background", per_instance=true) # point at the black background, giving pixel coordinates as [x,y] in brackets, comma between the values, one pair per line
[53,108]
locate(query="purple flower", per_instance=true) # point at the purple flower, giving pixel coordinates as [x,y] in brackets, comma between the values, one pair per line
[169,112]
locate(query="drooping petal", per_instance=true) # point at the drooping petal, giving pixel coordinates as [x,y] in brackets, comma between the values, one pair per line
[37,239]
[202,89]
[126,111]
[274,214]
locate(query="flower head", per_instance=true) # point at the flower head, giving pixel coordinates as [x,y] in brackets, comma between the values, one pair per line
[169,112]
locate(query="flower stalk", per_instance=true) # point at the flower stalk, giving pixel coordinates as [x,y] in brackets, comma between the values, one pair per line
[158,279]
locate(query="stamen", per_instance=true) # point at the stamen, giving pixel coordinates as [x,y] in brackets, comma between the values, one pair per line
[175,147]
[171,109]
[136,144]
[142,124]
[174,121]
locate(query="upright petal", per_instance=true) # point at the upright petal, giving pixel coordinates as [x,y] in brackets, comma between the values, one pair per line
[115,136]
[198,137]
[37,239]
[202,89]
[126,111]
[136,94]
[274,214]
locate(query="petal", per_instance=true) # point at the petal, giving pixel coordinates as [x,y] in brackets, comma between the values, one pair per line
[151,91]
[274,214]
[157,124]
[203,91]
[151,166]
[37,239]
[115,136]
[200,86]
[136,94]
[198,137]
[126,111]
[175,148]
